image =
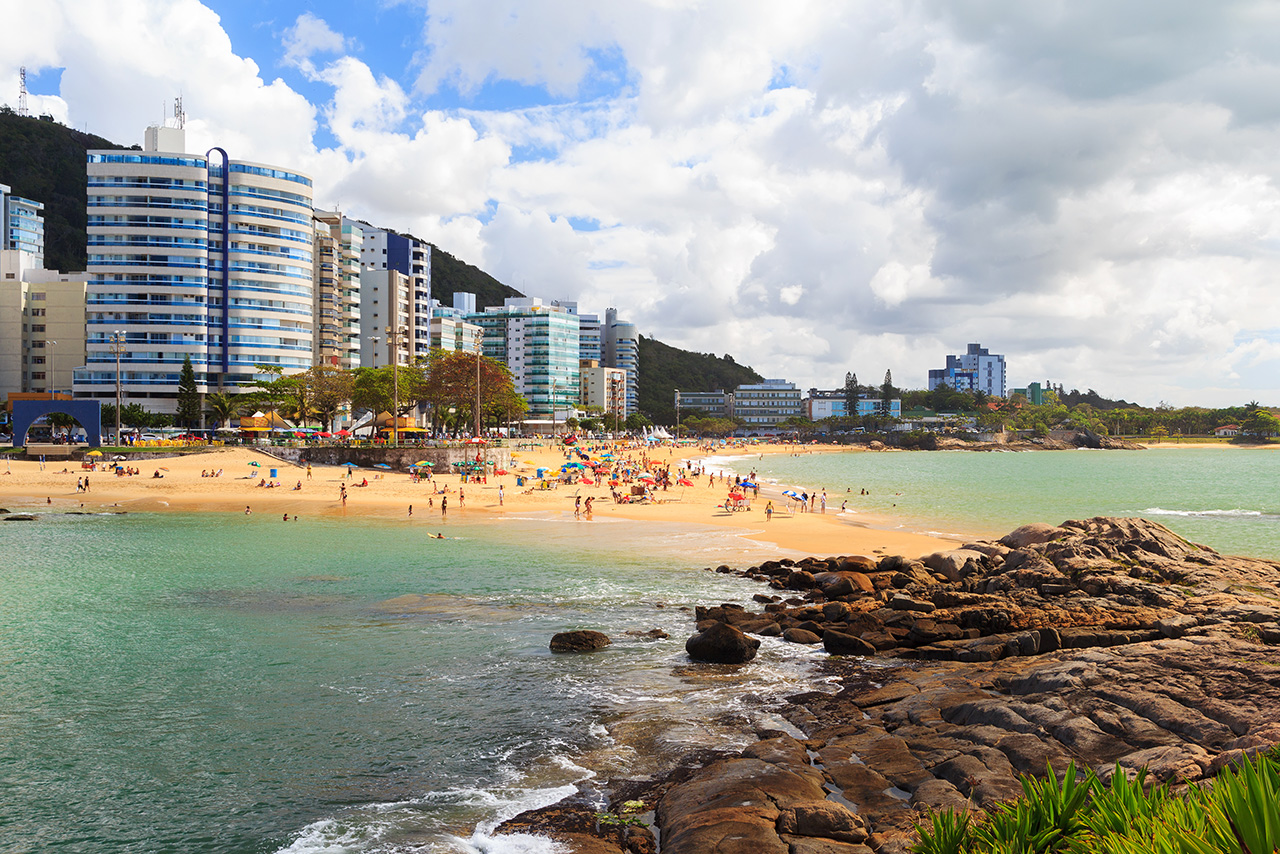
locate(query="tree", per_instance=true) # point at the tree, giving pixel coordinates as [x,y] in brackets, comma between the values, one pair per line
[850,394]
[636,421]
[887,391]
[188,396]
[1260,424]
[331,390]
[223,406]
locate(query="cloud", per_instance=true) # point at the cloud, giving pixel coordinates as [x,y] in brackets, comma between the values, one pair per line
[815,188]
[308,36]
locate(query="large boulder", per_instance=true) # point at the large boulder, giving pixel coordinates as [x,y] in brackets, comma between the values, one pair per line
[721,644]
[839,643]
[951,564]
[1033,534]
[583,640]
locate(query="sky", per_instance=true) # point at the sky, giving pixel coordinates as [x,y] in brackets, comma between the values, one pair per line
[812,187]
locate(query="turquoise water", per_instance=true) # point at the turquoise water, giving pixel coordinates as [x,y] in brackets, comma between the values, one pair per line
[221,683]
[1225,498]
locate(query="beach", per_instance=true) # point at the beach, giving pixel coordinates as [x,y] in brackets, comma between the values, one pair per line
[185,487]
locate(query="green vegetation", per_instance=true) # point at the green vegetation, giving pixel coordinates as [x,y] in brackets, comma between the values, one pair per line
[1238,813]
[663,369]
[450,275]
[44,161]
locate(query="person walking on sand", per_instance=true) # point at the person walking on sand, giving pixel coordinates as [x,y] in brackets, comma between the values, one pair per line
[587,509]
[499,495]
[768,512]
[462,498]
[444,505]
[410,511]
[308,471]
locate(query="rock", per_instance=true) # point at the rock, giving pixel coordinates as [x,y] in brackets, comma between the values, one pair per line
[901,602]
[798,635]
[732,806]
[652,634]
[825,819]
[19,517]
[800,580]
[950,564]
[1033,534]
[1176,626]
[814,845]
[583,640]
[839,643]
[721,644]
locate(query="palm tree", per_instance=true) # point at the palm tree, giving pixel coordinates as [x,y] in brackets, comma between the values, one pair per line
[223,406]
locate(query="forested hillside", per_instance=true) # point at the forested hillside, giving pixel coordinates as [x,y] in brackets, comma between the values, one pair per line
[664,368]
[43,161]
[450,275]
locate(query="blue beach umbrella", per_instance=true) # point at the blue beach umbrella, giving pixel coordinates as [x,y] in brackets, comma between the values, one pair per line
[747,484]
[381,466]
[351,465]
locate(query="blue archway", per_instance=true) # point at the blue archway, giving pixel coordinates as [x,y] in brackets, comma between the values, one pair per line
[87,412]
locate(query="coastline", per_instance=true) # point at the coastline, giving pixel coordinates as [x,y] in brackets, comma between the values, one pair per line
[389,495]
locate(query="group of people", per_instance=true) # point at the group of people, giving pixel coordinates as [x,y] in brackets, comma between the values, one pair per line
[210,473]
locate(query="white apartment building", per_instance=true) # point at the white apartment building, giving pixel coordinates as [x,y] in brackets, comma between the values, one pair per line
[603,387]
[975,370]
[539,345]
[387,318]
[23,226]
[194,255]
[337,291]
[620,346]
[386,250]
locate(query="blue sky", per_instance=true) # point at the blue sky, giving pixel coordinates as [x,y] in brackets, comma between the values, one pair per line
[813,187]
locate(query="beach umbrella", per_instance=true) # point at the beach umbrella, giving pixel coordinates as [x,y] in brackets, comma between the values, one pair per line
[500,471]
[162,468]
[94,454]
[381,466]
[476,440]
[325,434]
[747,484]
[588,481]
[684,482]
[349,465]
[344,433]
[255,463]
[424,463]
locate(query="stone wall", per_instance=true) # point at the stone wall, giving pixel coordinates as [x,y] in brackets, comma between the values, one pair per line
[398,458]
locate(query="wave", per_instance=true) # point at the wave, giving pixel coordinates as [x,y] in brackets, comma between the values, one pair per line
[1238,512]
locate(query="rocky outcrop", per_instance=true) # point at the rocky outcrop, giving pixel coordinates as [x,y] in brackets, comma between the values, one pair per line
[1108,642]
[583,640]
[1113,643]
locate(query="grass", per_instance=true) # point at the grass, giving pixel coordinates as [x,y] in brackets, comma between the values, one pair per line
[1237,813]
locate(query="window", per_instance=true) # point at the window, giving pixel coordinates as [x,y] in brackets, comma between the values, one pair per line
[37,375]
[37,327]
[38,296]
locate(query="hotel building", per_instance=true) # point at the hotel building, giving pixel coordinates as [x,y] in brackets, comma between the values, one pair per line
[194,255]
[539,345]
[337,291]
[975,370]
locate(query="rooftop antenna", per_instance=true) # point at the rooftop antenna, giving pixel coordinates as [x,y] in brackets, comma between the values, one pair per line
[179,115]
[22,91]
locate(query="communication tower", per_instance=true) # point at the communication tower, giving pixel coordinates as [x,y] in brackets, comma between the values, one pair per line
[22,91]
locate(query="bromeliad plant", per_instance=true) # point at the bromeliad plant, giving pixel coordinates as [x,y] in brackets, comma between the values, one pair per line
[1238,813]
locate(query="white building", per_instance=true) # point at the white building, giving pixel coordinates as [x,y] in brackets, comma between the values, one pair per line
[539,345]
[975,370]
[386,250]
[196,256]
[23,225]
[387,318]
[337,291]
[620,346]
[603,387]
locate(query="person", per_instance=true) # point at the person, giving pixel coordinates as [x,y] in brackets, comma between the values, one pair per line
[824,501]
[462,497]
[247,511]
[286,518]
[499,495]
[439,536]
[444,505]
[577,507]
[308,471]
[410,511]
[843,505]
[587,508]
[297,486]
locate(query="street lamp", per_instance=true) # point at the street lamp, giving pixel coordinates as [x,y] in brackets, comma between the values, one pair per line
[117,347]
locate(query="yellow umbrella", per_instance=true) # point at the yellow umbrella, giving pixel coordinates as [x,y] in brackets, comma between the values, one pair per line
[94,454]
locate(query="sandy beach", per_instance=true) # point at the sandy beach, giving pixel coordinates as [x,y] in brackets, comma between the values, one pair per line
[25,487]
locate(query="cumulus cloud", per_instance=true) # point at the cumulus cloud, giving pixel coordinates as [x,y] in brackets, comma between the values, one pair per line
[307,37]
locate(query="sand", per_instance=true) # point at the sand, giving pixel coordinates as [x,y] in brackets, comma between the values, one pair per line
[24,487]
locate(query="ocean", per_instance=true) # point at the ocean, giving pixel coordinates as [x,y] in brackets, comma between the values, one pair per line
[220,683]
[1225,498]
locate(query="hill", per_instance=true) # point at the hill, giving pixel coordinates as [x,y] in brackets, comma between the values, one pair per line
[450,275]
[664,368]
[44,161]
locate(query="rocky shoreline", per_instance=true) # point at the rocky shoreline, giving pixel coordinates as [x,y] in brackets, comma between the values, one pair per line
[1107,642]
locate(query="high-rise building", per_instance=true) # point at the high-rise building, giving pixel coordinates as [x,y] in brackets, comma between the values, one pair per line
[387,318]
[620,346]
[194,255]
[539,345]
[387,250]
[337,291]
[603,387]
[975,370]
[23,225]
